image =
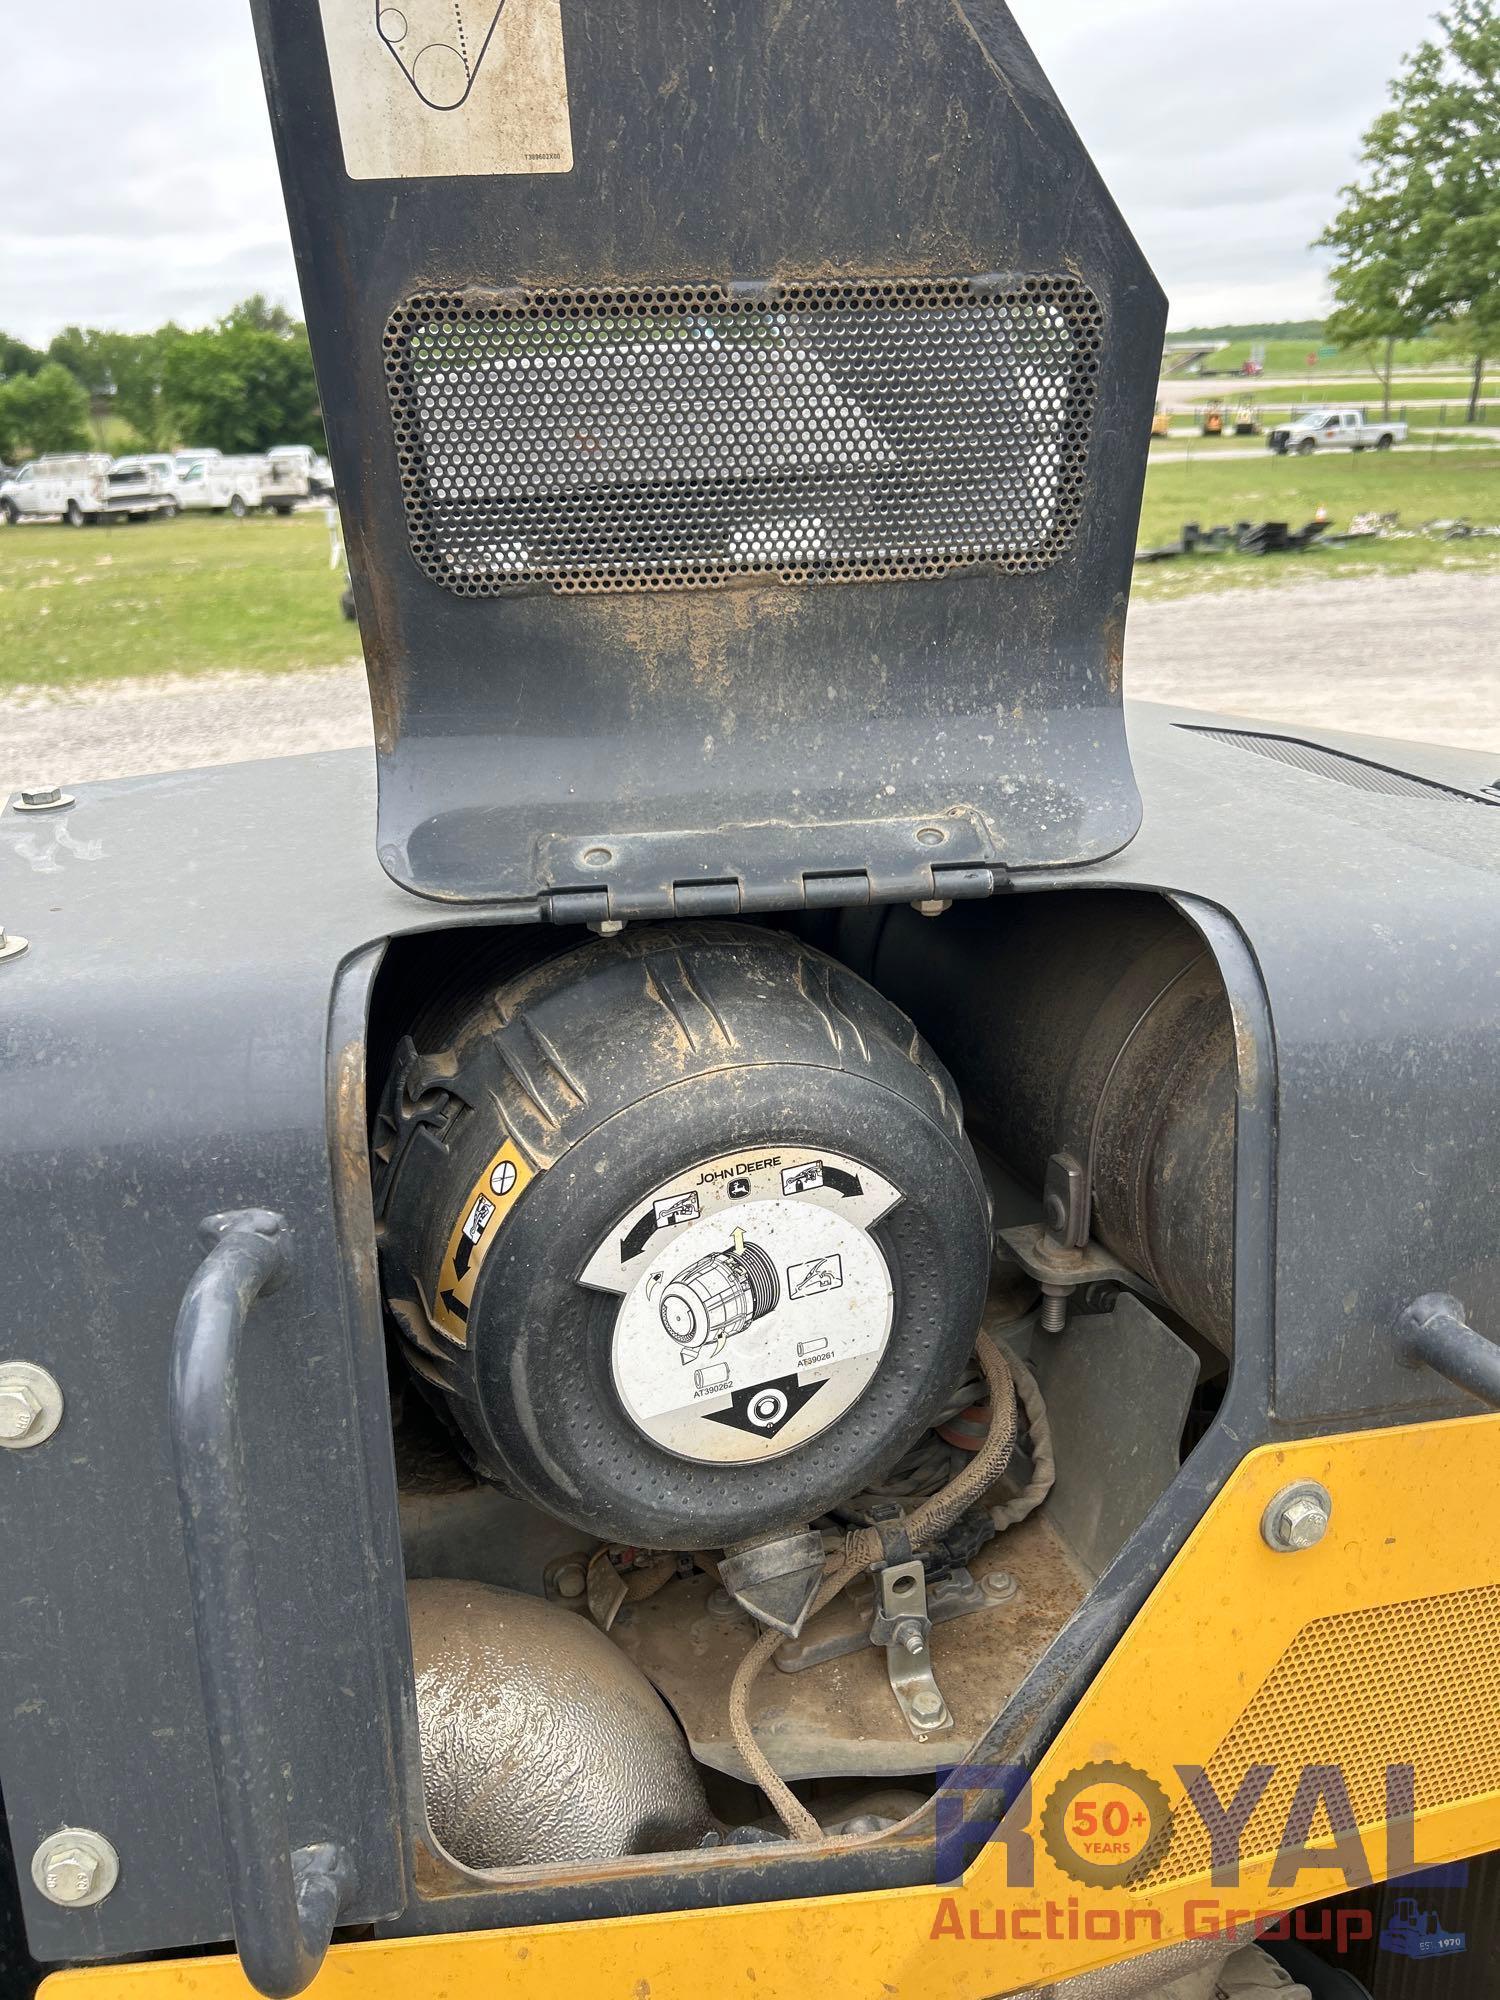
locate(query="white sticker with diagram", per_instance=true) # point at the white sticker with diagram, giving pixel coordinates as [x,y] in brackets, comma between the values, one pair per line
[429,88]
[755,1302]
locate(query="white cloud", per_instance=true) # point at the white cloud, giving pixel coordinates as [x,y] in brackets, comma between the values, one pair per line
[137,179]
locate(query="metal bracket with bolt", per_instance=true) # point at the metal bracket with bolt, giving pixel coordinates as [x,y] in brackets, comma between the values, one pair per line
[1061,1269]
[844,1627]
[1298,1518]
[75,1868]
[31,1405]
[902,1626]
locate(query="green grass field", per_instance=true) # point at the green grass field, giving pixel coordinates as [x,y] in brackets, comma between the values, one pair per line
[183,596]
[1419,486]
[190,596]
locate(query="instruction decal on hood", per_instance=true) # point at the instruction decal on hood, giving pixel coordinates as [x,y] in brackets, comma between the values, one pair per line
[429,88]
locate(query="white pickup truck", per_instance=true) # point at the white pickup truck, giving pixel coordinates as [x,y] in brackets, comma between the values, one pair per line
[87,486]
[220,485]
[1328,429]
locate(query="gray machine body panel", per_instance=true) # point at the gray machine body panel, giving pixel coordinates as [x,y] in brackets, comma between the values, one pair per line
[184,1036]
[760,744]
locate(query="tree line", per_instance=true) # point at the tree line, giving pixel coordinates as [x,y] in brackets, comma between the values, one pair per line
[1416,245]
[240,385]
[1417,239]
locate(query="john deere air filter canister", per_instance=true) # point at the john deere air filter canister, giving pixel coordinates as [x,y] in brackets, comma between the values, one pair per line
[684,1228]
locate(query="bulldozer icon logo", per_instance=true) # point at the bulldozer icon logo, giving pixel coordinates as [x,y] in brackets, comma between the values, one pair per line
[1412,1932]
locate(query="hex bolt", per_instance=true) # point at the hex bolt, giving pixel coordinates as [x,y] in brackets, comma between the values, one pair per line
[927,1705]
[999,1586]
[31,1405]
[43,798]
[19,1410]
[607,927]
[75,1868]
[933,906]
[571,1579]
[909,1637]
[1298,1518]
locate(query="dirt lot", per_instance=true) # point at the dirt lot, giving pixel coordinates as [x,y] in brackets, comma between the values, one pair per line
[1411,656]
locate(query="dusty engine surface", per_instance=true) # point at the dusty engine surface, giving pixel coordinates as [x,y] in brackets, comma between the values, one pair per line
[723,1384]
[684,1231]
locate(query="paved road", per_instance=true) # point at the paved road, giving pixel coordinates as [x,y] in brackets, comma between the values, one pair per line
[1400,656]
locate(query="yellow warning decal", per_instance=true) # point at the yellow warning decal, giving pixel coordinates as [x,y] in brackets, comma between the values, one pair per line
[491,1199]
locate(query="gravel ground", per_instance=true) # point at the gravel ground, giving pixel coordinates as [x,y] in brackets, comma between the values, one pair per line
[1396,656]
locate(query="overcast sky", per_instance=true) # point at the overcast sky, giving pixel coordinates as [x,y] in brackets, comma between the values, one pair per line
[137,181]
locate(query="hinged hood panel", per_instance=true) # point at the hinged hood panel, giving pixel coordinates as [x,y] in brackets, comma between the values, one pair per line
[739,416]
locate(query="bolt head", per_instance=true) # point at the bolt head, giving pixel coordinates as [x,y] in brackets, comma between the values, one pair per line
[1302,1525]
[70,1875]
[999,1585]
[75,1868]
[1297,1519]
[31,1405]
[933,906]
[571,1580]
[926,1705]
[42,795]
[19,1410]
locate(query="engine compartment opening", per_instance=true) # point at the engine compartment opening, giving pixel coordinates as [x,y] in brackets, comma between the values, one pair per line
[806,1315]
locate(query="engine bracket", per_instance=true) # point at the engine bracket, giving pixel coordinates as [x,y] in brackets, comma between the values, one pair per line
[845,1626]
[901,1624]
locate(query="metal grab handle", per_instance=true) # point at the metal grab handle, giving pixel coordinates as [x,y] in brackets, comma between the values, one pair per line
[1435,1334]
[285,1901]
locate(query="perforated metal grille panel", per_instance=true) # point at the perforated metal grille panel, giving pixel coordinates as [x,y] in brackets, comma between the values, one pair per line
[1357,772]
[1414,1683]
[687,435]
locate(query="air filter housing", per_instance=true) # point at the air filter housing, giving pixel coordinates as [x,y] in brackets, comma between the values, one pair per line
[683,1231]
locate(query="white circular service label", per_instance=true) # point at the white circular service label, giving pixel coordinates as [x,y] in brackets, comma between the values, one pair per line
[755,1305]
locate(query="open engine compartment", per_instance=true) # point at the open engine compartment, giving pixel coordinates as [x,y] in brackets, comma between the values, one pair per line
[768,1165]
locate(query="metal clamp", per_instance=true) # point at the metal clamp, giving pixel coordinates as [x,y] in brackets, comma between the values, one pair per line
[1061,1269]
[1435,1334]
[902,1626]
[285,1901]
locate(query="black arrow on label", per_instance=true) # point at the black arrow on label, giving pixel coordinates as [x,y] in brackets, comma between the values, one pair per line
[633,1244]
[840,1182]
[767,1408]
[456,1306]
